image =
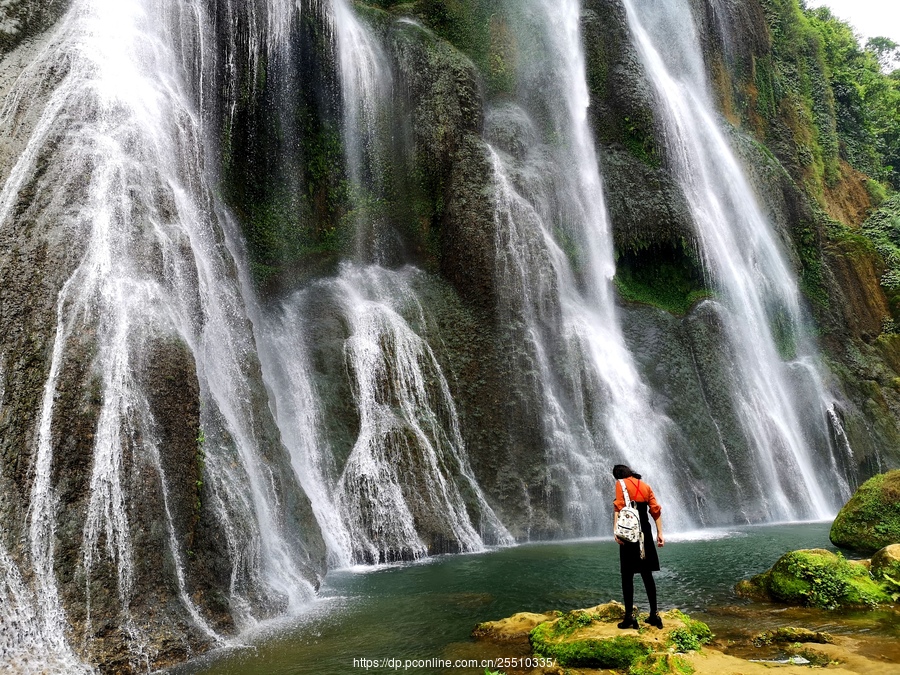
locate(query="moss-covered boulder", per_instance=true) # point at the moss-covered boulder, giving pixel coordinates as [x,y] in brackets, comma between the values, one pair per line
[885,566]
[589,638]
[816,578]
[871,519]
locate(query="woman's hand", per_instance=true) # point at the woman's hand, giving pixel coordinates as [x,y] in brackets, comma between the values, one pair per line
[618,541]
[660,542]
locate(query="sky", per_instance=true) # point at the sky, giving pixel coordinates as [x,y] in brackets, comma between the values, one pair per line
[871,18]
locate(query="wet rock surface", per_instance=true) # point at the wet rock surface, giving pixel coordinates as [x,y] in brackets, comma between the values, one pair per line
[732,649]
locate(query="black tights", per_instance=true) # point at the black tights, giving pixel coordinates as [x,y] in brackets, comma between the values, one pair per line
[628,591]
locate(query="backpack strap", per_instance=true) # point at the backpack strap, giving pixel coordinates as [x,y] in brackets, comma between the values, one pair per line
[628,501]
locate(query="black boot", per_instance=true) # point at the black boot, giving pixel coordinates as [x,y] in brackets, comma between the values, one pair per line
[628,622]
[654,620]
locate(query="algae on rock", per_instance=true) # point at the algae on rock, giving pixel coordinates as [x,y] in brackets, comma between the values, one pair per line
[816,578]
[871,519]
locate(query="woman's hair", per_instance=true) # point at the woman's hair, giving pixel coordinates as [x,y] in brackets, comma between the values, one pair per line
[621,471]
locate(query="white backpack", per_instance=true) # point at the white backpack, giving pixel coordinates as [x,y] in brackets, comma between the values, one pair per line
[628,525]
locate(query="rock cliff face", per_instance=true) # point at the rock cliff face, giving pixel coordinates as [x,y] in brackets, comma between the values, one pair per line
[114,434]
[23,19]
[202,440]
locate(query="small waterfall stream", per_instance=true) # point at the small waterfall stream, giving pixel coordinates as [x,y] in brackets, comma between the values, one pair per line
[776,377]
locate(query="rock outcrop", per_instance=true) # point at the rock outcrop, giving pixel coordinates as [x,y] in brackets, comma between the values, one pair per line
[816,578]
[871,519]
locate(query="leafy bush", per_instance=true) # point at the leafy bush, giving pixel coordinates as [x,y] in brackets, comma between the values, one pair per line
[684,640]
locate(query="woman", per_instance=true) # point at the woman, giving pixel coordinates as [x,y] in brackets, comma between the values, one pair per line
[630,560]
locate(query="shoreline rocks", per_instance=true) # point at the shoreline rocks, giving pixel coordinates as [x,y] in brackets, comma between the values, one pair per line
[587,642]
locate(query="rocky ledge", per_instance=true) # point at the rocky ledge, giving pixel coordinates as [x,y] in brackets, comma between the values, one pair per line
[588,642]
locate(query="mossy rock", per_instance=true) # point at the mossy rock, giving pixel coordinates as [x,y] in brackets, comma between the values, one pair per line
[791,635]
[885,566]
[816,578]
[590,639]
[871,519]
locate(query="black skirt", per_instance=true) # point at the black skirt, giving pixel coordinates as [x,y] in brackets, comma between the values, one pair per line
[630,560]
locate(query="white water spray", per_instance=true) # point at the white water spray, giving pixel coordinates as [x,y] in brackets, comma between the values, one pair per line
[760,301]
[555,266]
[121,141]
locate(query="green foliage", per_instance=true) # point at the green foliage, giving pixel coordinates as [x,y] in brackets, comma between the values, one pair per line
[691,636]
[812,281]
[684,640]
[830,94]
[669,280]
[892,586]
[871,519]
[866,99]
[662,664]
[882,229]
[800,93]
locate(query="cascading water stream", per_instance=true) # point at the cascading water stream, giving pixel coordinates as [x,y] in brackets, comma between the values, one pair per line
[120,142]
[398,494]
[759,303]
[555,267]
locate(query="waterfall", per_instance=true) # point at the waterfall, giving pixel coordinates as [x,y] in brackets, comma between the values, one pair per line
[119,147]
[777,385]
[554,270]
[405,488]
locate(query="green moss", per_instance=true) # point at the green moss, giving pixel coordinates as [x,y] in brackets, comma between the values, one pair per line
[638,139]
[477,28]
[812,279]
[820,578]
[668,279]
[886,568]
[698,630]
[619,653]
[551,640]
[662,664]
[569,623]
[871,519]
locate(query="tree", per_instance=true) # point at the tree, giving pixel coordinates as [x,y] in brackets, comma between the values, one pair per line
[885,50]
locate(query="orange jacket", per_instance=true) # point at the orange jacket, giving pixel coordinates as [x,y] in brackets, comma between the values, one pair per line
[639,492]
